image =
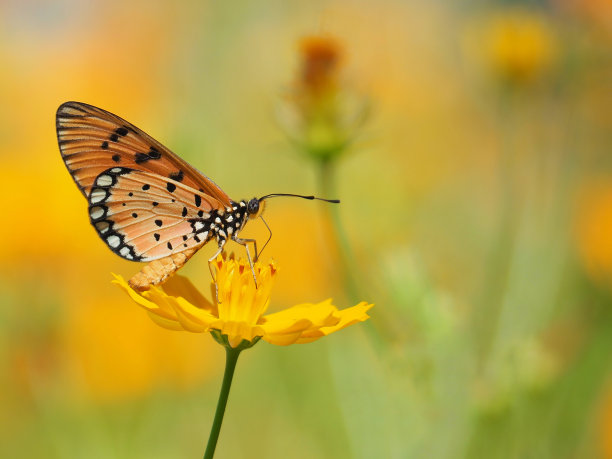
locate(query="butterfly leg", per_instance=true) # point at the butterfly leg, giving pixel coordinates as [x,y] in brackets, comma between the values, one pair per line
[210,267]
[244,243]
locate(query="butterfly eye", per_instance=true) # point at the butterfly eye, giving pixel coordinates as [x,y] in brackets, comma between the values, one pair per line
[253,206]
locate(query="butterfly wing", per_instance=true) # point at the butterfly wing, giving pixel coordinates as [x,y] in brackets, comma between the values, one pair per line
[143,216]
[93,140]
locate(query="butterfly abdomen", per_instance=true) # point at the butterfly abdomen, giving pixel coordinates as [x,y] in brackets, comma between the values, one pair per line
[158,271]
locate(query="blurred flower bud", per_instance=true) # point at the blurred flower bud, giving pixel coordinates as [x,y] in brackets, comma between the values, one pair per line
[318,112]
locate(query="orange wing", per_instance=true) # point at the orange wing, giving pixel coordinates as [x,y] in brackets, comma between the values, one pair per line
[93,140]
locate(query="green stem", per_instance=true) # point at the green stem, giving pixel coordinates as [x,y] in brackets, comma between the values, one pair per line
[489,306]
[345,254]
[231,357]
[328,189]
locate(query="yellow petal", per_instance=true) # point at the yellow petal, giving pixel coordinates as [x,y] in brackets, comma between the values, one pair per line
[180,286]
[295,325]
[348,316]
[319,314]
[164,302]
[289,335]
[165,323]
[146,303]
[308,322]
[283,339]
[192,318]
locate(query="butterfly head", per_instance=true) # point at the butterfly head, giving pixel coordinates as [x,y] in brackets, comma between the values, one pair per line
[255,207]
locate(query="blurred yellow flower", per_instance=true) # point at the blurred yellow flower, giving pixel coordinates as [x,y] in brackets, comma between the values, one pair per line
[594,230]
[517,45]
[239,313]
[115,354]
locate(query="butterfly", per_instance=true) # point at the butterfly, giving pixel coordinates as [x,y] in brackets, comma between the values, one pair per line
[146,203]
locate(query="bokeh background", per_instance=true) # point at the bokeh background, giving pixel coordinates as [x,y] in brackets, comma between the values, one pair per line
[470,144]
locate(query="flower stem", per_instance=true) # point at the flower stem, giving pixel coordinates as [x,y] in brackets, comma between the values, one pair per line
[327,185]
[231,357]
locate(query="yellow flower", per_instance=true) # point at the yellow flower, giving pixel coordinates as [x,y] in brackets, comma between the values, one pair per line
[518,45]
[593,229]
[239,318]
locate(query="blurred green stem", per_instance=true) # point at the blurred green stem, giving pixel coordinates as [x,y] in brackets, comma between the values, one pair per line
[346,258]
[488,308]
[231,357]
[327,185]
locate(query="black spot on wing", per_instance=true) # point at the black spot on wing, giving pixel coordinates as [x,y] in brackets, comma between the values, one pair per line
[154,153]
[122,131]
[104,145]
[170,187]
[198,200]
[144,157]
[140,158]
[158,222]
[156,236]
[114,137]
[178,176]
[146,186]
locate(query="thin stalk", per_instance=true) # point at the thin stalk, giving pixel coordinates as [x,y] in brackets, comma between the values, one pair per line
[489,305]
[231,357]
[327,184]
[345,255]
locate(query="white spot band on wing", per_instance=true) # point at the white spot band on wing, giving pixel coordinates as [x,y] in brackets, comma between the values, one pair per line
[113,241]
[104,180]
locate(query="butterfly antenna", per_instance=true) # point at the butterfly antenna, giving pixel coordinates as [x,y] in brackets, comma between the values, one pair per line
[274,195]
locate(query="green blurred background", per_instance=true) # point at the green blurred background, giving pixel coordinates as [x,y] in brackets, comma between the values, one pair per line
[477,215]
